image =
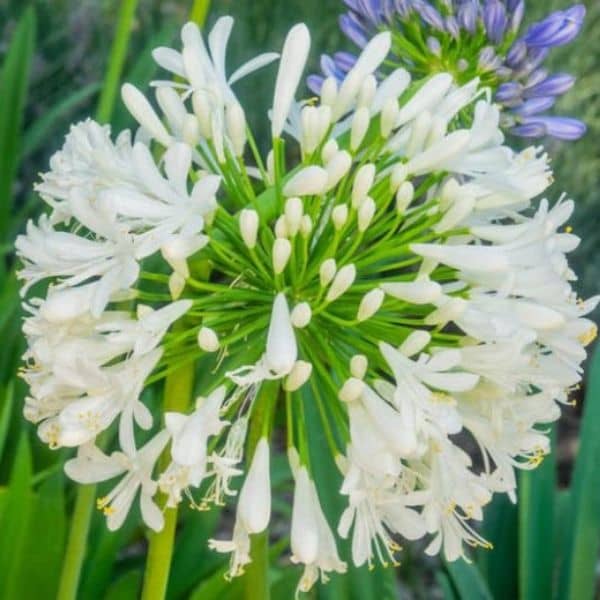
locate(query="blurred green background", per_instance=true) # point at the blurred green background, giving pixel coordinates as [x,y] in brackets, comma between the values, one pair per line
[54,56]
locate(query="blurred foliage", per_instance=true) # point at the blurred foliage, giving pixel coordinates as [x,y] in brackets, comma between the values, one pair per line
[52,75]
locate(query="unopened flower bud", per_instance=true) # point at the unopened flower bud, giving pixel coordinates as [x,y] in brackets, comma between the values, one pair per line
[370,304]
[299,375]
[339,216]
[329,91]
[389,115]
[398,177]
[343,279]
[208,340]
[202,110]
[366,212]
[363,182]
[337,168]
[458,212]
[281,227]
[176,285]
[367,91]
[306,226]
[358,366]
[351,390]
[307,181]
[360,125]
[327,271]
[293,215]
[415,342]
[450,192]
[329,151]
[236,127]
[301,315]
[282,250]
[249,226]
[404,196]
[190,130]
[422,291]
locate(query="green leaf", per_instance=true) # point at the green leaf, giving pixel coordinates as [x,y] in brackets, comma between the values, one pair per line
[14,520]
[467,581]
[14,80]
[5,413]
[580,550]
[536,526]
[126,587]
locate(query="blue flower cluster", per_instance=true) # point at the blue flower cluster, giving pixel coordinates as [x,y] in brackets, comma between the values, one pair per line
[473,38]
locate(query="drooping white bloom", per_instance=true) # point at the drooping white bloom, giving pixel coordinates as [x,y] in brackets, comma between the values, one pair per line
[92,466]
[253,510]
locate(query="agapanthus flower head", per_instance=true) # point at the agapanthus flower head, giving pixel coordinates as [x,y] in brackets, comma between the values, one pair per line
[400,274]
[472,38]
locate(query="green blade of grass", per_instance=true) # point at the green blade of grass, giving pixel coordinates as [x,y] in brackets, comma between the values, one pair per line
[536,526]
[14,81]
[467,581]
[582,541]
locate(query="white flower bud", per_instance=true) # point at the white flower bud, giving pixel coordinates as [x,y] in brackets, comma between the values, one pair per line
[450,310]
[398,177]
[370,304]
[457,213]
[202,110]
[439,155]
[366,212]
[337,168]
[347,93]
[415,342]
[281,228]
[294,210]
[282,351]
[329,151]
[254,502]
[327,271]
[343,279]
[176,285]
[418,132]
[137,104]
[360,125]
[299,375]
[339,216]
[351,390]
[208,340]
[363,182]
[307,181]
[450,192]
[306,226]
[282,250]
[329,92]
[249,226]
[437,131]
[190,130]
[367,91]
[301,315]
[422,291]
[236,127]
[389,114]
[310,129]
[404,196]
[358,366]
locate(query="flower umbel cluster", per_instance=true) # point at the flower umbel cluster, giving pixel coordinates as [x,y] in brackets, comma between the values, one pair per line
[472,38]
[399,277]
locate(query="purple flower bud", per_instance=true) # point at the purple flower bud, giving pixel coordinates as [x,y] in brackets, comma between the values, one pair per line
[562,128]
[330,68]
[452,26]
[516,54]
[315,83]
[468,13]
[534,106]
[434,46]
[509,93]
[494,19]
[557,29]
[535,57]
[353,31]
[555,85]
[371,10]
[511,5]
[529,130]
[430,15]
[489,60]
[344,61]
[517,14]
[352,5]
[403,7]
[536,77]
[388,9]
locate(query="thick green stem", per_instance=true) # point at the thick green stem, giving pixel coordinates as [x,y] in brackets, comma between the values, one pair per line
[118,53]
[256,577]
[177,395]
[76,544]
[199,11]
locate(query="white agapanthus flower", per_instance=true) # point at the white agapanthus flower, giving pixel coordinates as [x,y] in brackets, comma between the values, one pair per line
[401,275]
